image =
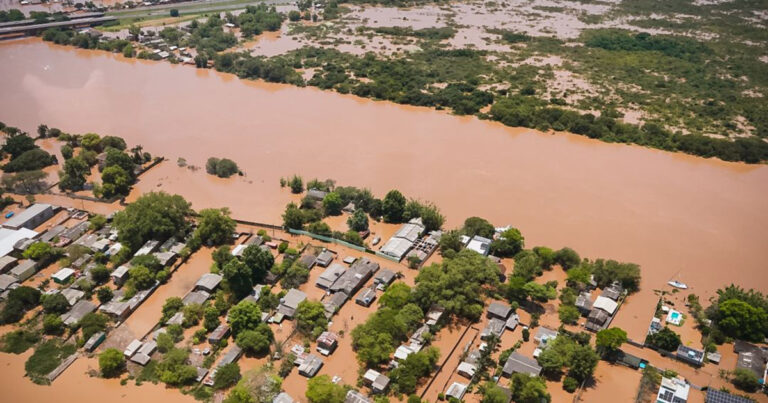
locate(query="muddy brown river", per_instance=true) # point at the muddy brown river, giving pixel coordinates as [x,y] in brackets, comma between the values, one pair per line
[701,221]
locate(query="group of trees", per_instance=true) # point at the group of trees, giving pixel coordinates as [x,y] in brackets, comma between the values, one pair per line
[257,19]
[527,111]
[249,332]
[739,314]
[155,215]
[23,171]
[242,273]
[572,353]
[310,318]
[19,301]
[223,168]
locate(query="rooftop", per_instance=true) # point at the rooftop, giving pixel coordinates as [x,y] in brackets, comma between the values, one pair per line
[517,363]
[208,281]
[31,212]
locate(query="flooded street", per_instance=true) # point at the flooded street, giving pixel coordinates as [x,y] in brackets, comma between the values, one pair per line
[703,221]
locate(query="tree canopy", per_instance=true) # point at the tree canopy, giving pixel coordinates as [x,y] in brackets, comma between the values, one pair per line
[155,215]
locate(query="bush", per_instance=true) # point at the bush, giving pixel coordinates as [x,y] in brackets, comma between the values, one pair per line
[52,324]
[570,384]
[226,376]
[174,12]
[223,168]
[111,363]
[18,341]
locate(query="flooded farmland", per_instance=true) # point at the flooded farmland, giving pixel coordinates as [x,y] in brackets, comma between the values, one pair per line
[702,221]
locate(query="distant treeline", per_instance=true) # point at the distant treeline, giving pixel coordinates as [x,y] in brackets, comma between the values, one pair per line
[518,110]
[674,46]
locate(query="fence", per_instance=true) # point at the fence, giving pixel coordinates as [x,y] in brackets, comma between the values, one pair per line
[343,243]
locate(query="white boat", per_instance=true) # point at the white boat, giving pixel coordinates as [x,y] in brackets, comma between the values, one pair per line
[678,284]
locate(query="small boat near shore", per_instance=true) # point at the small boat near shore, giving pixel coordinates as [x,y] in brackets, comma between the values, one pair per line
[678,284]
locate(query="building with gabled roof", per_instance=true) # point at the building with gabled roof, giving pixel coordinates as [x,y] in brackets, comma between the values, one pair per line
[518,363]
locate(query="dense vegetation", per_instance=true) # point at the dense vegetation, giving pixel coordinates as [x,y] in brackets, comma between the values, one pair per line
[223,168]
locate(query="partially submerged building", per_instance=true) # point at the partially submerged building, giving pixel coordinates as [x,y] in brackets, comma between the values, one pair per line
[329,276]
[290,302]
[78,311]
[690,355]
[30,218]
[310,365]
[24,270]
[673,390]
[518,363]
[327,343]
[208,282]
[376,381]
[499,310]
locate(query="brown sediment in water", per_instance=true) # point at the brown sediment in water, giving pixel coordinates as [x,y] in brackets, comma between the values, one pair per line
[70,386]
[670,213]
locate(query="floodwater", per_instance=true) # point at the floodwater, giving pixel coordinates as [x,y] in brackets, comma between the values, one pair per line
[701,221]
[69,386]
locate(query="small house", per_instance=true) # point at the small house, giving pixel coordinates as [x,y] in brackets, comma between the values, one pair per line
[544,335]
[403,352]
[220,333]
[690,355]
[329,276]
[120,275]
[513,321]
[77,312]
[316,194]
[290,302]
[334,303]
[324,258]
[208,282]
[63,276]
[307,261]
[673,390]
[518,363]
[30,218]
[327,343]
[366,297]
[231,356]
[434,315]
[466,370]
[6,263]
[6,280]
[597,320]
[384,277]
[165,258]
[456,390]
[606,304]
[310,365]
[94,341]
[354,396]
[584,303]
[119,310]
[480,245]
[196,297]
[140,358]
[132,348]
[72,295]
[495,327]
[613,291]
[148,247]
[376,381]
[24,270]
[499,310]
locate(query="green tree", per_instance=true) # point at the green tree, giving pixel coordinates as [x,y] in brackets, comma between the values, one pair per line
[18,144]
[52,324]
[128,50]
[450,241]
[292,217]
[256,341]
[115,182]
[141,277]
[226,375]
[396,296]
[55,303]
[358,221]
[431,217]
[665,339]
[610,339]
[567,258]
[740,320]
[91,142]
[111,363]
[38,251]
[332,204]
[320,389]
[211,318]
[568,314]
[170,307]
[92,323]
[244,316]
[104,294]
[393,206]
[74,174]
[155,215]
[310,318]
[508,244]
[215,227]
[745,380]
[296,184]
[492,393]
[478,226]
[260,261]
[239,277]
[582,363]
